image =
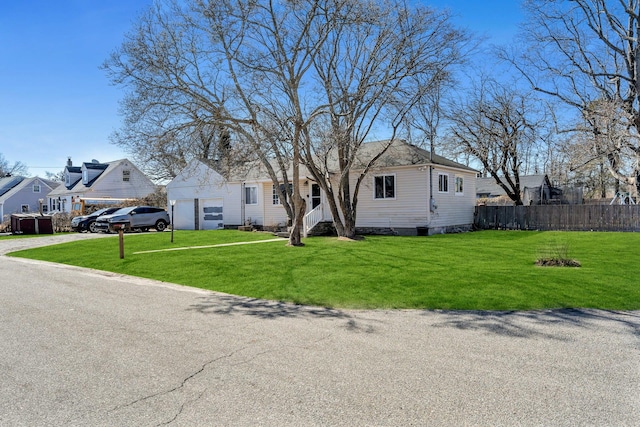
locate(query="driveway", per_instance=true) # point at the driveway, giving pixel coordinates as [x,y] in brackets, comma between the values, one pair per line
[81,347]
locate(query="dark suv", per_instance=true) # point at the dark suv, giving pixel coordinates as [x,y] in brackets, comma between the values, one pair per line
[137,218]
[86,222]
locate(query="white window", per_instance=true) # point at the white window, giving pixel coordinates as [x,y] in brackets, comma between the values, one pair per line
[384,187]
[276,196]
[24,208]
[126,174]
[251,195]
[443,183]
[459,185]
[85,177]
[36,188]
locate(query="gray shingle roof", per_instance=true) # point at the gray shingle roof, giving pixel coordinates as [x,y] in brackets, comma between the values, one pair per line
[399,153]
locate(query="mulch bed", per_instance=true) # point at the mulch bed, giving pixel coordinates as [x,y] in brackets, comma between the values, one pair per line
[557,262]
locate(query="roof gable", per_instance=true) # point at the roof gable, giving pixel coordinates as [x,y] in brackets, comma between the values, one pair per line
[25,183]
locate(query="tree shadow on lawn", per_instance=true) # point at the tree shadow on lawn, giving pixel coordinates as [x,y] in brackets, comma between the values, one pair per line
[531,324]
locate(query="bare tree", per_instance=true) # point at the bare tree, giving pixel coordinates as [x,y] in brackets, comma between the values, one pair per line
[390,60]
[297,82]
[55,176]
[585,53]
[499,126]
[15,168]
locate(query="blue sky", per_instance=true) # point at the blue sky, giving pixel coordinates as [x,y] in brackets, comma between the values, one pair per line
[55,102]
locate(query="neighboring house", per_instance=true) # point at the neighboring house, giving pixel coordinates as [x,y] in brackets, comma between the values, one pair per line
[119,179]
[536,190]
[395,196]
[23,195]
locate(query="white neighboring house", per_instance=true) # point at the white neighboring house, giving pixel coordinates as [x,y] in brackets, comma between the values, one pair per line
[119,179]
[394,198]
[23,195]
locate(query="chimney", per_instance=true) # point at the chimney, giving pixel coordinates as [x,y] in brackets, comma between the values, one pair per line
[69,162]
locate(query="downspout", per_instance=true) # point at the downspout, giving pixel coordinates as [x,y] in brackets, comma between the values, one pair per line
[242,204]
[431,200]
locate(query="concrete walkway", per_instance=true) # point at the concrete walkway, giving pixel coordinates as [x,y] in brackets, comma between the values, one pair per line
[220,245]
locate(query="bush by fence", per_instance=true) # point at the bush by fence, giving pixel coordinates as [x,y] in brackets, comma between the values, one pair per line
[559,217]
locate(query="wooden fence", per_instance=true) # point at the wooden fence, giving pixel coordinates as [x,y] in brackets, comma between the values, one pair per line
[559,217]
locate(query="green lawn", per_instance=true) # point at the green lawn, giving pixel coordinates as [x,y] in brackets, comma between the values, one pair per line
[488,270]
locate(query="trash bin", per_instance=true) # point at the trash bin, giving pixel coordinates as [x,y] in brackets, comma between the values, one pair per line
[31,224]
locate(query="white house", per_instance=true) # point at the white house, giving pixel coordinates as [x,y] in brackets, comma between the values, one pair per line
[119,179]
[409,192]
[23,195]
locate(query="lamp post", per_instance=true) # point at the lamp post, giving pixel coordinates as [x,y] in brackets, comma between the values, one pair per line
[172,203]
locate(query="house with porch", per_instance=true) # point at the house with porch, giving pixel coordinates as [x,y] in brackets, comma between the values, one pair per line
[19,195]
[119,179]
[409,192]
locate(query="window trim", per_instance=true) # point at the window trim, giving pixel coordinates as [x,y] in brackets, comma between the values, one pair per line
[384,189]
[36,188]
[126,175]
[445,175]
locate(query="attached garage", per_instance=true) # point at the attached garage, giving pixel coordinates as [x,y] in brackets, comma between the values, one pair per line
[183,215]
[211,214]
[198,214]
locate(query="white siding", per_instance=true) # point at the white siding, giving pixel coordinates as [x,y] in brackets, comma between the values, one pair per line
[454,209]
[198,181]
[408,209]
[111,184]
[273,214]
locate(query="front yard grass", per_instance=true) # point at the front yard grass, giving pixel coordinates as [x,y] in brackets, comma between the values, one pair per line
[488,270]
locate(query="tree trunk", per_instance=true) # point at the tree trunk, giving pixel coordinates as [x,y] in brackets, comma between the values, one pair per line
[299,207]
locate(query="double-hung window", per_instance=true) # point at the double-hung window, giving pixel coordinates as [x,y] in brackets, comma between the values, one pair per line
[251,195]
[443,183]
[276,195]
[385,186]
[459,185]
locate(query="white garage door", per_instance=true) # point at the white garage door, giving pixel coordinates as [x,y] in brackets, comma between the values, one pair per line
[211,214]
[183,215]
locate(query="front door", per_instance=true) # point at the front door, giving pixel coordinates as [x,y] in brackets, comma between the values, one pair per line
[315,196]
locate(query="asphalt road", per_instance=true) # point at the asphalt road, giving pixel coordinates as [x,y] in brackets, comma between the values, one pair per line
[85,348]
